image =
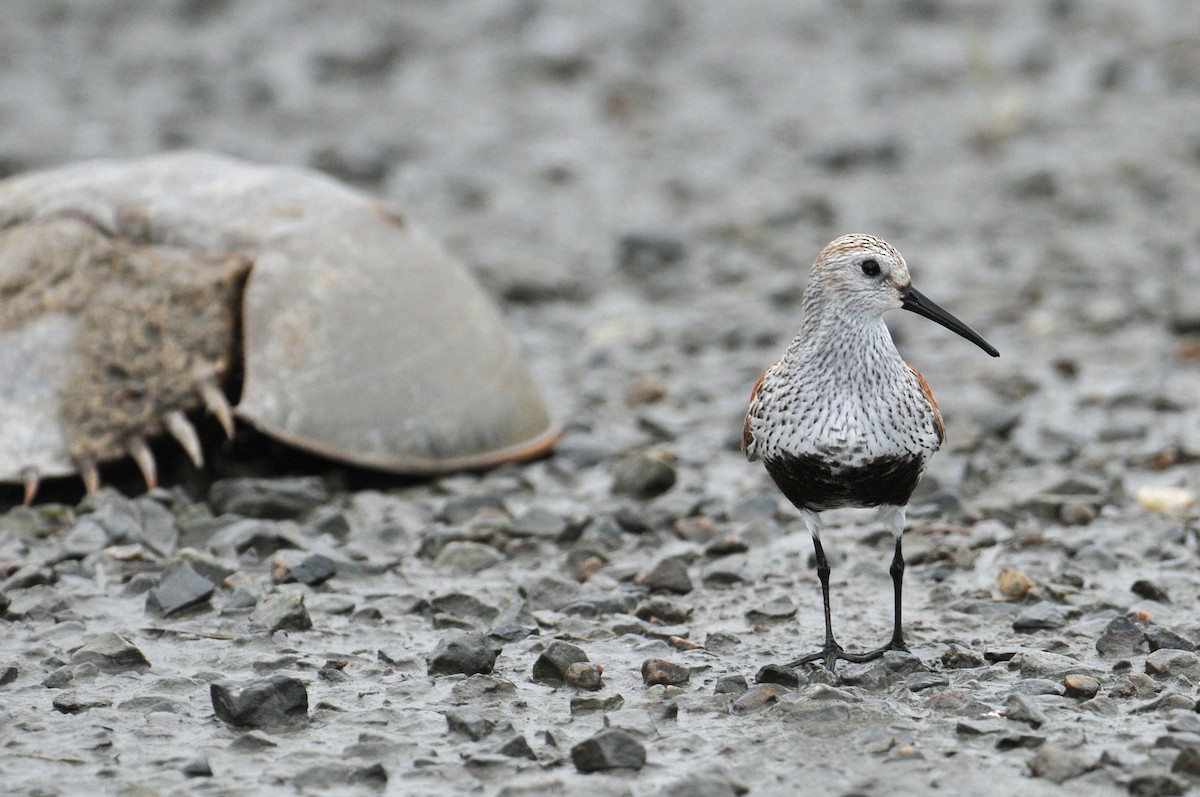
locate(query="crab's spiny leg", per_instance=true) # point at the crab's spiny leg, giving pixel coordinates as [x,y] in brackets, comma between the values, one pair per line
[90,475]
[217,404]
[32,480]
[183,431]
[145,461]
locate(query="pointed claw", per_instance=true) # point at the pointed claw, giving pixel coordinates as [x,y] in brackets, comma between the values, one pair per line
[32,480]
[145,461]
[90,475]
[217,404]
[183,431]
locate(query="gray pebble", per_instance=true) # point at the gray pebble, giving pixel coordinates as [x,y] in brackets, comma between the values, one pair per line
[1021,708]
[1060,764]
[957,657]
[1040,616]
[880,673]
[778,608]
[517,747]
[482,687]
[470,722]
[1171,663]
[8,674]
[205,564]
[539,523]
[311,569]
[59,678]
[669,575]
[643,475]
[731,685]
[757,698]
[644,254]
[274,702]
[1041,686]
[664,610]
[1151,783]
[920,681]
[196,768]
[467,653]
[1039,664]
[180,587]
[778,674]
[585,675]
[464,557]
[459,509]
[463,605]
[551,666]
[1149,590]
[1121,637]
[549,592]
[705,784]
[269,499]
[609,749]
[283,611]
[585,704]
[112,653]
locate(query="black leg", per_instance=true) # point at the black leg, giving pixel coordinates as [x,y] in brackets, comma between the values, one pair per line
[897,571]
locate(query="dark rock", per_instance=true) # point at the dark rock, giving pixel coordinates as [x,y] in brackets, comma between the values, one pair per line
[111,652]
[880,673]
[1158,637]
[197,768]
[312,569]
[643,254]
[326,776]
[262,537]
[585,675]
[920,681]
[1156,784]
[1122,637]
[206,565]
[850,155]
[27,576]
[179,588]
[644,475]
[274,702]
[468,721]
[726,545]
[1150,591]
[1170,663]
[72,704]
[549,592]
[1082,686]
[8,674]
[661,671]
[467,653]
[551,666]
[60,678]
[609,749]
[283,612]
[466,557]
[669,575]
[664,610]
[1040,686]
[459,509]
[480,687]
[1187,762]
[1020,708]
[511,632]
[957,657]
[1059,764]
[328,521]
[269,499]
[731,685]
[1039,617]
[778,674]
[517,747]
[539,523]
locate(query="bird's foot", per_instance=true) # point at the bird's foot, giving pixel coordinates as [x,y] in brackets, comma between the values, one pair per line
[832,652]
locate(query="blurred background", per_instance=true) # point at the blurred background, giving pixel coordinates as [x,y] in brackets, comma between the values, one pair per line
[644,184]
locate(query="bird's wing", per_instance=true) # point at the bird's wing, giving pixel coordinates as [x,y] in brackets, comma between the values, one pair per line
[749,447]
[938,426]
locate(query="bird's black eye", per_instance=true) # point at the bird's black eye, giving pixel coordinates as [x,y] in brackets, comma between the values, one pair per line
[870,267]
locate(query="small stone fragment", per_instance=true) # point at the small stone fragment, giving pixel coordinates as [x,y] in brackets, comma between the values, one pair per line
[585,675]
[757,697]
[882,672]
[1021,708]
[1170,663]
[517,747]
[731,685]
[1158,637]
[540,523]
[468,721]
[268,499]
[1039,617]
[311,569]
[268,703]
[197,768]
[1081,686]
[778,674]
[920,681]
[661,671]
[283,612]
[1147,589]
[111,652]
[705,784]
[8,674]
[551,666]
[669,575]
[1156,784]
[583,704]
[466,557]
[957,657]
[468,653]
[1059,764]
[1012,584]
[1121,637]
[664,610]
[609,749]
[644,475]
[1166,500]
[642,254]
[179,588]
[778,608]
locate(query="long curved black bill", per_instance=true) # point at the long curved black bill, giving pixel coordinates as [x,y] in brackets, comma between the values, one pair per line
[916,302]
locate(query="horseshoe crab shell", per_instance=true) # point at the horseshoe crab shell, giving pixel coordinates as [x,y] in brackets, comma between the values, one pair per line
[129,289]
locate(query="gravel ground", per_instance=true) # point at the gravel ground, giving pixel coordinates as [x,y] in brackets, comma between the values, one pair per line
[642,186]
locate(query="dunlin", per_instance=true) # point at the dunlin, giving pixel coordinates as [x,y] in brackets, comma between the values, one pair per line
[842,420]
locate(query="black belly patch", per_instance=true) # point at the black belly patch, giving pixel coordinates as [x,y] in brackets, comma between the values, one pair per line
[812,483]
